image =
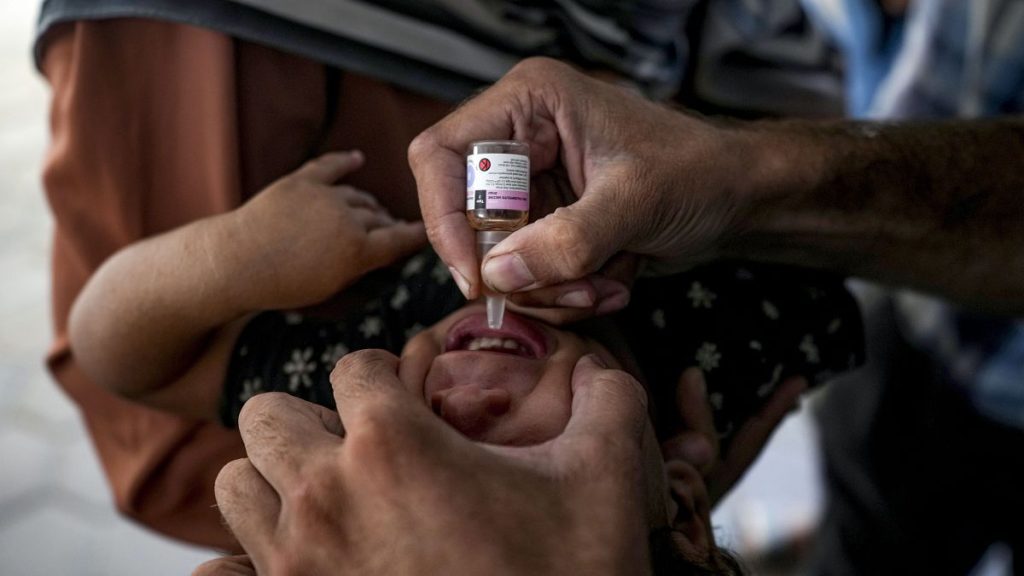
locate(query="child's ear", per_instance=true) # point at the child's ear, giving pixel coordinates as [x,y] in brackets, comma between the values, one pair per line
[691,520]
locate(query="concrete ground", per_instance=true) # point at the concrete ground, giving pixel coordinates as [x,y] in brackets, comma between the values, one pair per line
[56,515]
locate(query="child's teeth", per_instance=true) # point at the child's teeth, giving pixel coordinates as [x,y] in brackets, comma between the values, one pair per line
[489,343]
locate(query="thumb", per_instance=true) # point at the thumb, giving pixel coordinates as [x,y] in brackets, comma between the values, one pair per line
[389,244]
[568,244]
[606,404]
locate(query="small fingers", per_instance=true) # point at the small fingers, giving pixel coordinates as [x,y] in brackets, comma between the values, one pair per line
[696,440]
[357,198]
[392,242]
[371,219]
[331,167]
[752,436]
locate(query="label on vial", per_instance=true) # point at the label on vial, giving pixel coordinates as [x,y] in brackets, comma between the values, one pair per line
[498,182]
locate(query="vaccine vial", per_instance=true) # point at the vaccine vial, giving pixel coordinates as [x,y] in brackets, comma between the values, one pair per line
[497,201]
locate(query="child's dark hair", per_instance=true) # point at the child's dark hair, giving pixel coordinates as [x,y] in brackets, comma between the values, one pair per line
[668,559]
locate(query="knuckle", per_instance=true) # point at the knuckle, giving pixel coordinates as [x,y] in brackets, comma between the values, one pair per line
[373,428]
[372,447]
[259,411]
[422,146]
[358,371]
[305,495]
[538,65]
[230,476]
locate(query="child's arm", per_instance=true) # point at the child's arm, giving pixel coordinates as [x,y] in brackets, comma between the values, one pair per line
[158,314]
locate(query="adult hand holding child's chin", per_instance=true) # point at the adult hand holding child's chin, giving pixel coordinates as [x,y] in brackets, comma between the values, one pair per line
[385,487]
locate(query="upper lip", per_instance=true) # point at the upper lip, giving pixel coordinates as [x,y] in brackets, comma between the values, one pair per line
[514,327]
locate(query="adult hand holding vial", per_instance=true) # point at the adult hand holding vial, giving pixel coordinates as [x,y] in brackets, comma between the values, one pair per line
[497,201]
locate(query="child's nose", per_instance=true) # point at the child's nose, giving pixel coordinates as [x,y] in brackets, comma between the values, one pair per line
[473,410]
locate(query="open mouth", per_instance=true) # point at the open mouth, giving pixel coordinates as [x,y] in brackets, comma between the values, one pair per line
[517,337]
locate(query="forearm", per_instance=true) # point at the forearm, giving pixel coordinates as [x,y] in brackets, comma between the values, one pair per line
[932,206]
[149,313]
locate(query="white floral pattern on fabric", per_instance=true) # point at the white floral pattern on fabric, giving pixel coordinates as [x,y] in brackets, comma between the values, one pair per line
[400,298]
[413,330]
[250,388]
[371,326]
[770,310]
[834,326]
[414,265]
[810,349]
[293,318]
[332,354]
[708,357]
[658,318]
[716,400]
[440,273]
[299,369]
[700,296]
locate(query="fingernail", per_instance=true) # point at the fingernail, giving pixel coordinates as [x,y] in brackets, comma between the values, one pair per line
[507,273]
[616,301]
[595,359]
[575,299]
[460,281]
[357,155]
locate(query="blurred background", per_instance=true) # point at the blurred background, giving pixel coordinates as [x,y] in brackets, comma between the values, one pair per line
[56,513]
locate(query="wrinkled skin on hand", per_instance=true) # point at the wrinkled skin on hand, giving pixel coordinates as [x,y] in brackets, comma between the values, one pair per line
[645,180]
[384,487]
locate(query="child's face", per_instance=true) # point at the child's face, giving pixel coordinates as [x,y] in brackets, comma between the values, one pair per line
[510,386]
[513,386]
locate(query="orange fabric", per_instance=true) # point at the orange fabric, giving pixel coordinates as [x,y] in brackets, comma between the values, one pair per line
[157,124]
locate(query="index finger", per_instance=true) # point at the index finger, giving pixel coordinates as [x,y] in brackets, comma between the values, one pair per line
[365,382]
[279,431]
[607,404]
[511,109]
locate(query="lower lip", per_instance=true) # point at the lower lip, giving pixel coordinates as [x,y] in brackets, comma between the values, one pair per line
[515,327]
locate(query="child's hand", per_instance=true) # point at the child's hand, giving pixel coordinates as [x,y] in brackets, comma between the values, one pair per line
[305,237]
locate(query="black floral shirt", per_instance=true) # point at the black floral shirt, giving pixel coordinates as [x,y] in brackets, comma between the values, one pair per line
[748,327]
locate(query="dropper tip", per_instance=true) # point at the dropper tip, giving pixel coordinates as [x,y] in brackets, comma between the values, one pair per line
[495,311]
